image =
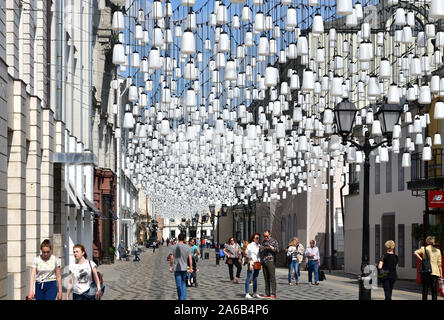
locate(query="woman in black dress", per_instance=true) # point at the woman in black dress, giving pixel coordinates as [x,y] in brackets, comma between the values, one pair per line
[387,266]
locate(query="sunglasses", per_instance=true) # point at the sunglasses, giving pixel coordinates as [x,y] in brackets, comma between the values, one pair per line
[256,237]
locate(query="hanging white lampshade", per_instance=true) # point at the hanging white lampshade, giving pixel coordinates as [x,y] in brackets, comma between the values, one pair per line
[437,139]
[221,15]
[154,59]
[383,154]
[396,131]
[118,54]
[246,14]
[117,133]
[344,7]
[235,23]
[128,120]
[138,32]
[426,153]
[424,95]
[188,44]
[308,80]
[438,113]
[230,70]
[259,22]
[191,100]
[133,95]
[118,23]
[385,69]
[393,94]
[406,160]
[224,42]
[366,51]
[135,60]
[157,11]
[302,46]
[436,9]
[264,47]
[336,87]
[271,76]
[291,21]
[317,27]
[188,3]
[376,128]
[400,18]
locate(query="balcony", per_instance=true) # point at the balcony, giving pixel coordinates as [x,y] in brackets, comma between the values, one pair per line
[427,176]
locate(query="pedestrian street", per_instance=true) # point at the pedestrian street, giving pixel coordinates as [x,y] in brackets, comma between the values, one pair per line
[150,279]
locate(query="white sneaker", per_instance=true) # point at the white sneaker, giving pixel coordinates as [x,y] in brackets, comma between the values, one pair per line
[256,295]
[248,296]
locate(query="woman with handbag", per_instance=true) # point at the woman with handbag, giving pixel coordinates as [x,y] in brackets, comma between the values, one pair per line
[254,265]
[233,252]
[430,267]
[84,281]
[46,280]
[387,269]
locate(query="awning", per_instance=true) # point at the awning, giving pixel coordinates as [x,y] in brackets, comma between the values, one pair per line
[91,206]
[79,197]
[71,195]
[75,158]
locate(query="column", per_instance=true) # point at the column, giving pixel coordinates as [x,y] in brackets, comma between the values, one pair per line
[16,223]
[47,181]
[33,182]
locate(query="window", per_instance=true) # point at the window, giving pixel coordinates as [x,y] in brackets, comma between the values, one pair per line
[377,178]
[289,234]
[354,179]
[388,174]
[400,171]
[388,228]
[377,242]
[401,245]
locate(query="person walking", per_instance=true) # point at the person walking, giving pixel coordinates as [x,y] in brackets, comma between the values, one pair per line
[387,265]
[253,265]
[179,254]
[154,246]
[163,240]
[268,251]
[121,250]
[430,279]
[136,252]
[295,253]
[82,275]
[194,256]
[314,262]
[45,282]
[233,252]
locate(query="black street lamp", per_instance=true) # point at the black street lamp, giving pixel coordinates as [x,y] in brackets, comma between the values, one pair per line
[345,113]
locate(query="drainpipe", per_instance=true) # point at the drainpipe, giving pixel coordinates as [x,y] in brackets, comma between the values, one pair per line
[48,52]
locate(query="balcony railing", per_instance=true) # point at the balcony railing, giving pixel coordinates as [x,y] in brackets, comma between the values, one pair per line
[427,176]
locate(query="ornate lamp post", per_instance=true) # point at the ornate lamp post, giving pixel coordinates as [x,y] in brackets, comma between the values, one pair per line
[345,113]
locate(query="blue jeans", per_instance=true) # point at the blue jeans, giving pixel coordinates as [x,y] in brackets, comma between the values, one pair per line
[136,256]
[293,265]
[46,290]
[313,267]
[255,274]
[83,296]
[181,284]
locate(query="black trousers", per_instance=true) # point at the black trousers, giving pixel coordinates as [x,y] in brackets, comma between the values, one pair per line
[269,270]
[238,268]
[388,288]
[429,281]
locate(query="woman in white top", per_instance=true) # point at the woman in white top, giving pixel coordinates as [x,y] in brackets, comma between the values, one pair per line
[45,282]
[253,265]
[83,273]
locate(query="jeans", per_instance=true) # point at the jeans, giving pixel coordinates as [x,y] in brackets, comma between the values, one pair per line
[293,265]
[313,267]
[181,284]
[429,281]
[136,256]
[269,270]
[46,290]
[255,274]
[83,296]
[388,288]
[238,268]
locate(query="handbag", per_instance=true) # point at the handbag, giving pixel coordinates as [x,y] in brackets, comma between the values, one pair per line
[93,288]
[425,266]
[257,265]
[382,273]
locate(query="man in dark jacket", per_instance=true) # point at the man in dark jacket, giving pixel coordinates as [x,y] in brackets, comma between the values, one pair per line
[267,252]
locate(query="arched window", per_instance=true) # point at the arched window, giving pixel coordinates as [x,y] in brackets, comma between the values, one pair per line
[283,233]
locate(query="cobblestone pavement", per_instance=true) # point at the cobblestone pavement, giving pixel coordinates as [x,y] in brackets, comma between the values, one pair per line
[150,279]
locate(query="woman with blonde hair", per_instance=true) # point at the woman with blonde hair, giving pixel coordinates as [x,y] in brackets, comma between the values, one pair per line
[387,266]
[430,279]
[295,253]
[45,282]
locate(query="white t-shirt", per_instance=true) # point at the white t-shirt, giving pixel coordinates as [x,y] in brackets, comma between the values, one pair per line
[45,270]
[82,276]
[253,251]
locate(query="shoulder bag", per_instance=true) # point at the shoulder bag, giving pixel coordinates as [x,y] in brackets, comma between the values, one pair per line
[382,273]
[425,267]
[257,265]
[93,289]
